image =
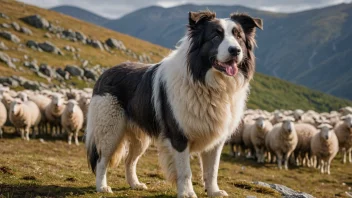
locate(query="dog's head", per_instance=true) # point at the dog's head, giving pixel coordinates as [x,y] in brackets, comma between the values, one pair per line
[225,45]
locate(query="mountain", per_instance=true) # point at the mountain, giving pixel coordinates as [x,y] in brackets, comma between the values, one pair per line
[82,14]
[93,55]
[311,48]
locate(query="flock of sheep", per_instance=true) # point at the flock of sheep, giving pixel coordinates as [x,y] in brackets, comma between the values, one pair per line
[304,138]
[27,110]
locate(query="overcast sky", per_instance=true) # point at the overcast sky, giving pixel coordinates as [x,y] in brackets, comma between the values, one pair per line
[118,8]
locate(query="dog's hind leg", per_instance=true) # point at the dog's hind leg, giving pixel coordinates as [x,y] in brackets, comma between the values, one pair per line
[138,144]
[105,137]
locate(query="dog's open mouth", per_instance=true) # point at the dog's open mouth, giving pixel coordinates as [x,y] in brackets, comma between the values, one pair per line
[229,67]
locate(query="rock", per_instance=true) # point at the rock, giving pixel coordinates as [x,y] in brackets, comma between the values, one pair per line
[19,79]
[6,59]
[26,31]
[63,74]
[15,60]
[285,191]
[36,21]
[2,15]
[49,47]
[85,63]
[16,26]
[96,44]
[9,36]
[43,76]
[80,36]
[106,47]
[32,44]
[9,81]
[113,43]
[47,35]
[47,70]
[74,70]
[31,65]
[3,46]
[5,25]
[25,57]
[89,74]
[28,84]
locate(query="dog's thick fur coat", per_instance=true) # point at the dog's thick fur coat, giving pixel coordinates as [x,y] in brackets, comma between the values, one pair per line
[190,102]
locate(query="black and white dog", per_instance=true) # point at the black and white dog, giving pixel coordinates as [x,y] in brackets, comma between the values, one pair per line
[190,102]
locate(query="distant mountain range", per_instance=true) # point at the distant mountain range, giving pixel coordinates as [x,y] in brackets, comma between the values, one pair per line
[311,48]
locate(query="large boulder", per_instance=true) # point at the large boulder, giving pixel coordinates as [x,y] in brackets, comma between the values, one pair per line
[69,34]
[7,59]
[96,44]
[36,21]
[49,47]
[74,70]
[64,74]
[31,85]
[113,43]
[80,36]
[89,74]
[47,70]
[32,44]
[31,65]
[9,81]
[9,36]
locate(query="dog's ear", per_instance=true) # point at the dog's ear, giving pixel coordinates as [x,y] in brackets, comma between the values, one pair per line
[247,22]
[198,17]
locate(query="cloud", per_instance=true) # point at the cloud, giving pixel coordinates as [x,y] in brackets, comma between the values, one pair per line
[118,8]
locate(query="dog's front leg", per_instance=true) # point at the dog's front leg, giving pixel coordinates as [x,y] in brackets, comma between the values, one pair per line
[211,160]
[184,174]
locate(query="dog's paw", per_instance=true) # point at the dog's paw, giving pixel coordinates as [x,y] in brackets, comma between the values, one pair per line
[187,195]
[220,193]
[105,189]
[140,186]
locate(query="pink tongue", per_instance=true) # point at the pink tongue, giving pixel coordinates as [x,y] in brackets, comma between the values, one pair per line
[231,71]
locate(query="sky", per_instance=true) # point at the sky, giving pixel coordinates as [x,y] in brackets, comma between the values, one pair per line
[116,8]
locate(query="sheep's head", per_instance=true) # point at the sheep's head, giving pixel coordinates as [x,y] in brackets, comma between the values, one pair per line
[347,119]
[325,131]
[70,106]
[260,122]
[23,96]
[57,100]
[16,105]
[86,100]
[288,124]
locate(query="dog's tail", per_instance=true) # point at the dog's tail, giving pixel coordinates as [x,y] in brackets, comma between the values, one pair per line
[92,152]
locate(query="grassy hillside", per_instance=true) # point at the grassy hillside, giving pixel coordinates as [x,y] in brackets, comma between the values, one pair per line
[267,92]
[54,169]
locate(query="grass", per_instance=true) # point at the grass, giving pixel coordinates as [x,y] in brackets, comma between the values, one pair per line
[267,93]
[55,169]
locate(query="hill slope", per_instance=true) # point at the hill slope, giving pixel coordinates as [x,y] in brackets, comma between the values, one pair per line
[82,14]
[309,48]
[267,92]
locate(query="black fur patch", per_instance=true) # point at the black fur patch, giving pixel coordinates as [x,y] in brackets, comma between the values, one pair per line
[132,85]
[171,129]
[93,157]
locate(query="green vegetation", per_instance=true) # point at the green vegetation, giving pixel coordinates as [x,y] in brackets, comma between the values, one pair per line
[55,169]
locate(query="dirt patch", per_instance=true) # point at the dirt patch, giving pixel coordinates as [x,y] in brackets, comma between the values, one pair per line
[71,179]
[29,177]
[6,170]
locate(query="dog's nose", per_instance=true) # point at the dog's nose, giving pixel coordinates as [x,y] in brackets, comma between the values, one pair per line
[234,51]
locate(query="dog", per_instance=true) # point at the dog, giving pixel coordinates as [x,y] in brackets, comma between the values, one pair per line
[190,102]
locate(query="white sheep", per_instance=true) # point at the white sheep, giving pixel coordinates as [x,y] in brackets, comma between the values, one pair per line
[282,141]
[277,117]
[54,111]
[24,115]
[236,141]
[42,102]
[324,147]
[343,132]
[305,132]
[346,110]
[3,117]
[258,131]
[84,104]
[72,120]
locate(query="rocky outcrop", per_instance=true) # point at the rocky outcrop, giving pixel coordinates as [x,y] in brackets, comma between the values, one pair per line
[285,191]
[9,36]
[36,21]
[115,44]
[7,59]
[49,47]
[74,70]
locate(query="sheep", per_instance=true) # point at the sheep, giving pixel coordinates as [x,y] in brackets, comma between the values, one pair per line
[236,141]
[84,104]
[3,117]
[6,100]
[246,138]
[23,96]
[324,146]
[343,132]
[72,120]
[282,141]
[53,112]
[24,115]
[42,102]
[305,132]
[345,110]
[276,118]
[257,132]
